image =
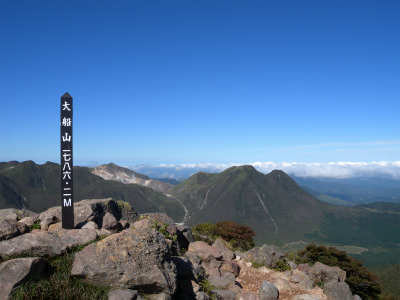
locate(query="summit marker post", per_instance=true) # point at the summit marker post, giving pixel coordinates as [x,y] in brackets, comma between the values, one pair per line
[67,184]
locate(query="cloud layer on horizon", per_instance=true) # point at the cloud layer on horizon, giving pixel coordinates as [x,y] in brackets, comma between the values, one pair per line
[330,170]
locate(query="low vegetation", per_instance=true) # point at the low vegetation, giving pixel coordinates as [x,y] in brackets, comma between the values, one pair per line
[57,283]
[360,279]
[239,237]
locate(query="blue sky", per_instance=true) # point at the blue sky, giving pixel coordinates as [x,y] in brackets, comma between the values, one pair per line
[175,82]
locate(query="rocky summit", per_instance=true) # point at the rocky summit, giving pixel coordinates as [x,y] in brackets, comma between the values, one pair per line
[148,256]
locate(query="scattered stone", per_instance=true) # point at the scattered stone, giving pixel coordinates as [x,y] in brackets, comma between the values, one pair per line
[188,287]
[29,221]
[337,291]
[185,236]
[205,251]
[297,277]
[55,227]
[10,228]
[227,254]
[326,273]
[224,295]
[356,297]
[123,295]
[211,266]
[307,284]
[268,291]
[16,214]
[202,296]
[266,255]
[90,225]
[136,258]
[185,268]
[230,267]
[50,216]
[222,283]
[109,222]
[248,296]
[43,243]
[124,224]
[306,297]
[143,223]
[192,257]
[303,267]
[161,296]
[282,284]
[15,272]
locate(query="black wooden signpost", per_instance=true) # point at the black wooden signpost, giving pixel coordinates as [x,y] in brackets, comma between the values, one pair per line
[67,184]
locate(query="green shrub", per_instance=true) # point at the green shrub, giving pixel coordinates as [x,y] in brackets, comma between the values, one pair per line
[36,225]
[207,288]
[163,230]
[282,266]
[239,237]
[360,279]
[205,229]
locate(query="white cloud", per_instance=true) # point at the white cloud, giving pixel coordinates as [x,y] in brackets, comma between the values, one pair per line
[332,169]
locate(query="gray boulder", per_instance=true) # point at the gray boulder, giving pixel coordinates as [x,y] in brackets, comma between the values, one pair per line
[205,251]
[161,296]
[227,254]
[185,268]
[268,291]
[296,277]
[282,284]
[109,222]
[123,295]
[136,258]
[306,297]
[91,210]
[248,296]
[121,210]
[222,283]
[306,284]
[16,214]
[230,267]
[202,296]
[43,243]
[15,272]
[185,236]
[321,272]
[224,295]
[356,297]
[337,291]
[50,216]
[266,255]
[10,228]
[28,221]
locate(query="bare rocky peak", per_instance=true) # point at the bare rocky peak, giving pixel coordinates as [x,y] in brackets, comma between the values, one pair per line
[113,172]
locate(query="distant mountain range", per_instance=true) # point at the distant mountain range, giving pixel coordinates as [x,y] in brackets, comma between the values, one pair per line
[124,175]
[361,188]
[38,187]
[274,205]
[280,211]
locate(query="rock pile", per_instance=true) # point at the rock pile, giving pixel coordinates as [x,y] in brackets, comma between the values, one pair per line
[144,253]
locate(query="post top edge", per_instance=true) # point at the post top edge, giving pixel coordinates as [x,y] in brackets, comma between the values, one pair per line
[66,95]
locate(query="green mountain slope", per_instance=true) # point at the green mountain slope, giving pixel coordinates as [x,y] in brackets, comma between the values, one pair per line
[38,188]
[279,210]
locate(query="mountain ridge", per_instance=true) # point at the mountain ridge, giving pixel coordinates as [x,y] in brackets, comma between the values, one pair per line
[277,209]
